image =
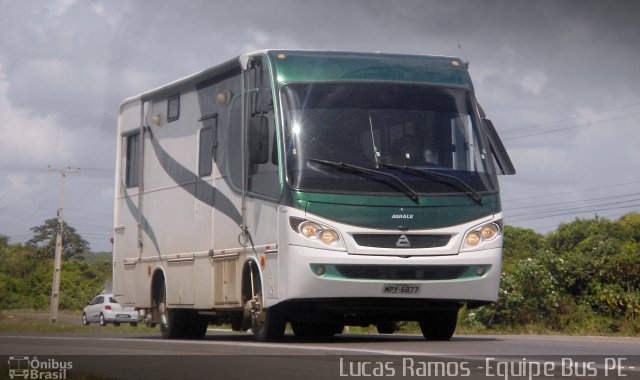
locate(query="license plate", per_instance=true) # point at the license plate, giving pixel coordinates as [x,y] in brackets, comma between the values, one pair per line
[123,316]
[401,289]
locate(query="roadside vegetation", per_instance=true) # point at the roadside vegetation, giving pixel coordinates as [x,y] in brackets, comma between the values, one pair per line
[581,279]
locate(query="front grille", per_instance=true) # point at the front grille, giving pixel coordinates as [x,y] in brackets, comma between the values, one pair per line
[401,240]
[402,272]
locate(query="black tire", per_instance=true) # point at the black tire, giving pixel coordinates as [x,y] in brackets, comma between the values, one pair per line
[133,324]
[267,324]
[387,327]
[85,321]
[101,320]
[173,322]
[116,324]
[439,325]
[197,326]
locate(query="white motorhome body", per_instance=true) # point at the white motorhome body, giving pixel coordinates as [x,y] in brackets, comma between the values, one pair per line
[280,187]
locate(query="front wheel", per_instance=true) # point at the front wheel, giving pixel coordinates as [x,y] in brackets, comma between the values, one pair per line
[85,321]
[439,325]
[267,324]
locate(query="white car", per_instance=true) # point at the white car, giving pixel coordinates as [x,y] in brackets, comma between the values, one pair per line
[105,309]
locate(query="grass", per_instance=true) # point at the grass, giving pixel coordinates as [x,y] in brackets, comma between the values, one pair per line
[16,321]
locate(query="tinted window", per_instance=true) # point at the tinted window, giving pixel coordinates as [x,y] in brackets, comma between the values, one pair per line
[173,108]
[132,159]
[205,154]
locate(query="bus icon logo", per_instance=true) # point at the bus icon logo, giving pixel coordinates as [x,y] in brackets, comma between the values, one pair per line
[18,367]
[403,242]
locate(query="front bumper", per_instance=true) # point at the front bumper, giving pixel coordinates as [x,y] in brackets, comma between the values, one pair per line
[465,277]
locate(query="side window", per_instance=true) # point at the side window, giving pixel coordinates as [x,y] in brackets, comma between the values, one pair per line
[100,300]
[132,160]
[173,108]
[263,177]
[207,146]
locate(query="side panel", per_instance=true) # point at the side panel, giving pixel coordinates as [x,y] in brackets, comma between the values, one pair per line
[125,210]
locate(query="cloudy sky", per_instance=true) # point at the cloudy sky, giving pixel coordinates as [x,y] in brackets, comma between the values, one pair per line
[560,80]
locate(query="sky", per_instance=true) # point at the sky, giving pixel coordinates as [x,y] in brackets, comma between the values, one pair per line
[559,79]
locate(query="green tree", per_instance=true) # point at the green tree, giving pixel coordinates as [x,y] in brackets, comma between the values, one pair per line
[43,243]
[520,244]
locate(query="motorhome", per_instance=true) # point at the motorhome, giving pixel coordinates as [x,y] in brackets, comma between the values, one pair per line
[320,189]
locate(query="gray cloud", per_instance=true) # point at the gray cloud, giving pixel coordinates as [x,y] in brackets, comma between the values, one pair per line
[67,64]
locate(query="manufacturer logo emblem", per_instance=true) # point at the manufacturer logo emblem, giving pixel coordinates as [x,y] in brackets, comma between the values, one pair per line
[403,242]
[402,216]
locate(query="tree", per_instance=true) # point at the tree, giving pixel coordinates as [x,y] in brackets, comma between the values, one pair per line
[43,243]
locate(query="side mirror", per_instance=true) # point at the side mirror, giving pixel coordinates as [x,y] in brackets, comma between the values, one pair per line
[497,149]
[261,101]
[258,138]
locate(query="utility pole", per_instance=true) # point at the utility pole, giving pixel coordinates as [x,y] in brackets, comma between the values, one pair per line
[57,262]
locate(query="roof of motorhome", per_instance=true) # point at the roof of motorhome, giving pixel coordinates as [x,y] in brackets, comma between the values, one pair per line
[310,65]
[295,66]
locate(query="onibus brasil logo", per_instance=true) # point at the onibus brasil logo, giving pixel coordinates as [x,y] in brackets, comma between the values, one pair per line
[25,367]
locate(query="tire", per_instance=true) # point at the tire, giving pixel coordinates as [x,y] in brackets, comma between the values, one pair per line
[387,327]
[133,324]
[267,324]
[439,325]
[197,326]
[85,321]
[101,320]
[173,322]
[116,324]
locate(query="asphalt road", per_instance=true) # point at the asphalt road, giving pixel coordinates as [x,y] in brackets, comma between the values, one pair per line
[223,355]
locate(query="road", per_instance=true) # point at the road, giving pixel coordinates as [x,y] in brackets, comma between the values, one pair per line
[236,356]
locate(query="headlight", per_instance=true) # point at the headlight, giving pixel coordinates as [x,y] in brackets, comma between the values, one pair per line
[481,234]
[314,231]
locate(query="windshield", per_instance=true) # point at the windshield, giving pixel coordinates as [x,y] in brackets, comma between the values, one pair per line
[406,126]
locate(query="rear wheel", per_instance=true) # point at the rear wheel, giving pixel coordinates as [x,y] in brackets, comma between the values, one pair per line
[172,321]
[179,323]
[102,321]
[85,321]
[439,325]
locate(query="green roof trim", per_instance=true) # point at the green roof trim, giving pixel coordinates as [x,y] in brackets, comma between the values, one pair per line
[303,66]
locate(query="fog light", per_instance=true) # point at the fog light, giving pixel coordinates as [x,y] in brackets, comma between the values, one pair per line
[480,271]
[328,236]
[320,270]
[473,238]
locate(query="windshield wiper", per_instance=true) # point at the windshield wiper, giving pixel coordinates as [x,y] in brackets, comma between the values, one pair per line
[448,179]
[359,169]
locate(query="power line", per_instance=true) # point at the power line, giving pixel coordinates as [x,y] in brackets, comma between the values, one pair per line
[570,118]
[571,192]
[590,124]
